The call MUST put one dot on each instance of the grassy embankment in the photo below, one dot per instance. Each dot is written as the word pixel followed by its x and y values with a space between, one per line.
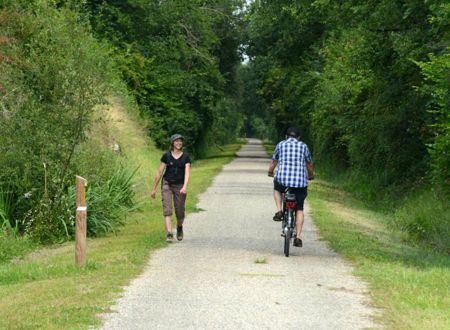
pixel 44 289
pixel 410 284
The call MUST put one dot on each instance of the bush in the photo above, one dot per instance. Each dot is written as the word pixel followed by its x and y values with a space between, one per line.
pixel 6 209
pixel 109 202
pixel 52 220
pixel 95 161
pixel 436 73
pixel 53 74
pixel 12 246
pixel 425 217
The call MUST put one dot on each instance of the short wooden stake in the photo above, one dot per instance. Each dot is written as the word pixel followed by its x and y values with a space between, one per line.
pixel 81 222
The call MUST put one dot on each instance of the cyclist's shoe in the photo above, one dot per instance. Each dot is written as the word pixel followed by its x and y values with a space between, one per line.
pixel 169 238
pixel 278 216
pixel 298 242
pixel 180 233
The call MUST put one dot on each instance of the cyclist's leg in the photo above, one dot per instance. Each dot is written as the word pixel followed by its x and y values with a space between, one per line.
pixel 300 195
pixel 299 220
pixel 277 191
pixel 277 198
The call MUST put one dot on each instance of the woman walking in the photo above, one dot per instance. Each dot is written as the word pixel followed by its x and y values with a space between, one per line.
pixel 175 164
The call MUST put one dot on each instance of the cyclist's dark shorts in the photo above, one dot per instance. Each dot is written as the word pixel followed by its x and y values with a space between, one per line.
pixel 300 193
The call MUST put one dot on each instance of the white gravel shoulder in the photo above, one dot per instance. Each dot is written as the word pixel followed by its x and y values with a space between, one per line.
pixel 211 279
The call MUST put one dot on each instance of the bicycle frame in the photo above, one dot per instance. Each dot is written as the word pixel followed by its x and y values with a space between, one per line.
pixel 289 204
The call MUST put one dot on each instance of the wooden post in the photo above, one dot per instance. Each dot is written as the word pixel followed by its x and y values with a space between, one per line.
pixel 81 222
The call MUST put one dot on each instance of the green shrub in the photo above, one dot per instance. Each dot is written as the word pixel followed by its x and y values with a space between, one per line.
pixel 437 72
pixel 13 246
pixel 109 202
pixel 95 161
pixel 6 209
pixel 52 220
pixel 425 217
pixel 54 74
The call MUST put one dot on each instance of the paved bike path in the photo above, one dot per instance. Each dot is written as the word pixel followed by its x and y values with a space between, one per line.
pixel 212 280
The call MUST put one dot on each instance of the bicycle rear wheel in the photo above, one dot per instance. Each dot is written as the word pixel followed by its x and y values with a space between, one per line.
pixel 287 241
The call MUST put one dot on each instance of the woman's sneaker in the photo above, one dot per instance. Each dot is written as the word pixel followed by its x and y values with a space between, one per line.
pixel 180 233
pixel 169 238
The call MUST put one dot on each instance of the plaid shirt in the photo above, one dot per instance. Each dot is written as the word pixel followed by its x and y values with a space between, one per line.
pixel 292 156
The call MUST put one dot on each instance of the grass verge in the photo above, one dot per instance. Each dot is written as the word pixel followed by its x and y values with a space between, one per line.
pixel 410 284
pixel 44 290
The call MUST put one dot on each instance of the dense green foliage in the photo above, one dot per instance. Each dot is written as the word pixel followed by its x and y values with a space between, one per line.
pixel 60 59
pixel 366 81
pixel 12 246
pixel 179 59
pixel 53 74
pixel 437 85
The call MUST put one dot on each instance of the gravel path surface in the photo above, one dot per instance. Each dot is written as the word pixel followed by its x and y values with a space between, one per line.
pixel 212 280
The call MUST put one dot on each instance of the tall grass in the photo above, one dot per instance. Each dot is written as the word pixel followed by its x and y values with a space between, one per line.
pixel 425 217
pixel 408 282
pixel 109 203
pixel 13 246
pixel 6 208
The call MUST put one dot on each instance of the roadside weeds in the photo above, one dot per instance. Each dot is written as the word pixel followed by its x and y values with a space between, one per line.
pixel 408 283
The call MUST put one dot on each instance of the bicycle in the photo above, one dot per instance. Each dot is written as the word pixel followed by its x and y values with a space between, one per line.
pixel 288 224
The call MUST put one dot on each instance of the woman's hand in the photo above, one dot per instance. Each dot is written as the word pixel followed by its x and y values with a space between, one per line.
pixel 183 190
pixel 153 194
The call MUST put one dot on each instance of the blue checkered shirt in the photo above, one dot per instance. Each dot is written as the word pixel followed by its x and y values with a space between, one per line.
pixel 292 156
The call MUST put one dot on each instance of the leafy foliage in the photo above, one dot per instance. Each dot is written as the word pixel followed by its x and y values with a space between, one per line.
pixel 110 202
pixel 425 217
pixel 60 59
pixel 367 82
pixel 53 74
pixel 436 85
pixel 179 59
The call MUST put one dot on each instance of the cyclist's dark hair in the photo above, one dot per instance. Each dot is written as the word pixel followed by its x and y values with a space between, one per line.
pixel 293 131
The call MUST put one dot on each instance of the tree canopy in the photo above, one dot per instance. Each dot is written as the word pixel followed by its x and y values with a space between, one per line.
pixel 367 82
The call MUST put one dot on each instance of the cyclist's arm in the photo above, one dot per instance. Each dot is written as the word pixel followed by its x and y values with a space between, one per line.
pixel 273 164
pixel 274 160
pixel 310 169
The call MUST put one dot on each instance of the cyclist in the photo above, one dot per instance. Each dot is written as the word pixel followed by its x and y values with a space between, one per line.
pixel 294 169
pixel 175 164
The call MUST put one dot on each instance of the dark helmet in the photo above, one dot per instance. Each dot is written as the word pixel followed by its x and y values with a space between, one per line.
pixel 293 132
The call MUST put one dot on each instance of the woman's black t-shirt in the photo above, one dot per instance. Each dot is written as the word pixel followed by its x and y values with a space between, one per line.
pixel 175 168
